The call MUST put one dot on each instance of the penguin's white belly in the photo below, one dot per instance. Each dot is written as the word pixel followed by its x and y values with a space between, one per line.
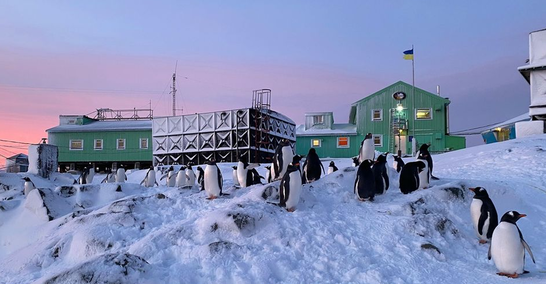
pixel 190 177
pixel 295 190
pixel 241 174
pixel 211 181
pixel 506 249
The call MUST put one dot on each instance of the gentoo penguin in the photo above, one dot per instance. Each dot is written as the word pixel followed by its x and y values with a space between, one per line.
pixel 332 167
pixel 365 182
pixel 234 176
pixel 282 157
pixel 201 178
pixel 150 179
pixel 212 180
pixel 424 175
pixel 356 162
pixel 181 177
pixel 291 185
pixel 483 213
pixel 83 177
pixel 120 175
pixel 508 246
pixel 190 176
pixel 171 177
pixel 312 166
pixel 424 153
pixel 380 174
pixel 90 175
pixel 367 149
pixel 29 185
pixel 268 174
pixel 243 172
pixel 409 176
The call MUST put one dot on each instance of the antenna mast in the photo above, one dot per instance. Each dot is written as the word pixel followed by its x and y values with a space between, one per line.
pixel 174 89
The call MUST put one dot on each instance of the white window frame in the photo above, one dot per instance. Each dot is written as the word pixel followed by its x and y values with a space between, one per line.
pixel 101 144
pixel 75 149
pixel 318 119
pixel 423 108
pixel 380 114
pixel 348 142
pixel 319 143
pixel 124 144
pixel 147 143
pixel 380 140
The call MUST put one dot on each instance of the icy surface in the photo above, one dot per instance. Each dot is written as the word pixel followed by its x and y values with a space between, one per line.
pixel 126 233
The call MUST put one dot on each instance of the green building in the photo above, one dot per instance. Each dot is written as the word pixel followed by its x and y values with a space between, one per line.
pixel 394 115
pixel 84 141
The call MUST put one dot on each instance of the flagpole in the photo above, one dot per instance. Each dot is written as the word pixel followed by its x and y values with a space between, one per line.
pixel 413 96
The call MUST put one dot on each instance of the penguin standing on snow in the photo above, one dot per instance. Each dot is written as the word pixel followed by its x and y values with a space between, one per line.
pixel 367 149
pixel 312 166
pixel 282 157
pixel 29 185
pixel 381 177
pixel 508 246
pixel 291 185
pixel 171 177
pixel 181 177
pixel 409 176
pixel 120 175
pixel 483 213
pixel 268 174
pixel 200 178
pixel 332 167
pixel 149 180
pixel 234 176
pixel 190 176
pixel 424 175
pixel 365 182
pixel 212 180
pixel 425 154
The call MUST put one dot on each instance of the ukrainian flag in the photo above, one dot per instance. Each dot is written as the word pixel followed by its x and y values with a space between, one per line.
pixel 408 54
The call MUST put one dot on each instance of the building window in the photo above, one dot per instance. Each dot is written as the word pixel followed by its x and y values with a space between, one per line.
pixel 98 144
pixel 377 114
pixel 315 143
pixel 318 119
pixel 143 143
pixel 378 140
pixel 343 142
pixel 423 113
pixel 121 144
pixel 76 144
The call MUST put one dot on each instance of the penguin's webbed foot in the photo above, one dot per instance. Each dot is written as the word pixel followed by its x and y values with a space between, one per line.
pixel 483 242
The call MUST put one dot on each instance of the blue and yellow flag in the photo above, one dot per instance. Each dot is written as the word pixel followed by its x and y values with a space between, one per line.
pixel 408 54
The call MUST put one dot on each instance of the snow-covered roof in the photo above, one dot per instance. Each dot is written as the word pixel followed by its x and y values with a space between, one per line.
pixel 522 117
pixel 127 125
pixel 337 129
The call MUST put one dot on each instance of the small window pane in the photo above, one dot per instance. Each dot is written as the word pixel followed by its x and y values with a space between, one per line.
pixel 98 144
pixel 121 144
pixel 343 142
pixel 143 143
pixel 423 113
pixel 76 144
pixel 315 143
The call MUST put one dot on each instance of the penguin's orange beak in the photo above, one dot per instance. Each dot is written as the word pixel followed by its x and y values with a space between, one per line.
pixel 473 189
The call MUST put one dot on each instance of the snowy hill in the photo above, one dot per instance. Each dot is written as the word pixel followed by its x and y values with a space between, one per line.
pixel 102 233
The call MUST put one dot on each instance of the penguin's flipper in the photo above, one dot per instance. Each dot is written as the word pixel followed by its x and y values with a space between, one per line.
pixel 526 246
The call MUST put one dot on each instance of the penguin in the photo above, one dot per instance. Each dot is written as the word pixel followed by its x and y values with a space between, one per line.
pixel 356 162
pixel 243 172
pixel 398 163
pixel 367 149
pixel 424 153
pixel 181 177
pixel 508 246
pixel 364 187
pixel 291 185
pixel 201 178
pixel 90 175
pixel 29 185
pixel 171 177
pixel 150 179
pixel 190 175
pixel 380 174
pixel 212 180
pixel 332 167
pixel 483 213
pixel 120 175
pixel 409 176
pixel 268 174
pixel 83 177
pixel 234 176
pixel 424 175
pixel 312 166
pixel 282 157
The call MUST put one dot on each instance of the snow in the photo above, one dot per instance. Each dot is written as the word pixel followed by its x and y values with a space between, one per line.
pixel 126 233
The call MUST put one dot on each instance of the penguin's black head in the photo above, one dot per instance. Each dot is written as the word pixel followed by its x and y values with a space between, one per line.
pixel 296 160
pixel 312 151
pixel 512 217
pixel 479 192
pixel 332 163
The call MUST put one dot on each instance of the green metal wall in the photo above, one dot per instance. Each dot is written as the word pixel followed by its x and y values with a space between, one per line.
pixel 109 153
pixel 328 148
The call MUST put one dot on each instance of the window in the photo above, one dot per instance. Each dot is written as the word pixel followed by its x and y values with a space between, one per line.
pixel 377 114
pixel 316 143
pixel 343 142
pixel 98 144
pixel 143 143
pixel 378 140
pixel 76 144
pixel 121 144
pixel 423 113
pixel 318 119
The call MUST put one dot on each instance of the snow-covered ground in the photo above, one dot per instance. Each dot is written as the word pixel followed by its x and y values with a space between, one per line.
pixel 102 233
